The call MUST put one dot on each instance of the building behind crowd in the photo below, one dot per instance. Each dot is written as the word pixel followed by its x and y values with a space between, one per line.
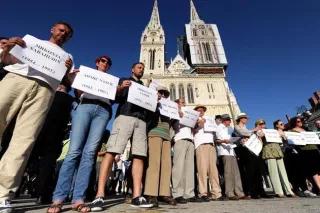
pixel 198 71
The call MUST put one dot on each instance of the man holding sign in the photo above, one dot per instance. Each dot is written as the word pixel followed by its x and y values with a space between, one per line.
pixel 130 123
pixel 157 184
pixel 28 93
pixel 206 158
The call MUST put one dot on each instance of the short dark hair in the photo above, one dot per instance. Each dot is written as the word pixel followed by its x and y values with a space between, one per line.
pixel 135 64
pixel 218 117
pixel 4 38
pixel 106 57
pixel 67 25
pixel 275 123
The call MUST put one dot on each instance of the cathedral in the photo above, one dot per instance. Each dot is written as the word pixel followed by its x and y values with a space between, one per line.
pixel 198 71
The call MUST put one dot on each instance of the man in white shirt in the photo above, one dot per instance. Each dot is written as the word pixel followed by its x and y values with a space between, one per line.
pixel 183 161
pixel 233 184
pixel 27 93
pixel 206 159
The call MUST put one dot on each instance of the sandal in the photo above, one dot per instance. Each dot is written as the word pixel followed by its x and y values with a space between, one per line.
pixel 82 207
pixel 56 207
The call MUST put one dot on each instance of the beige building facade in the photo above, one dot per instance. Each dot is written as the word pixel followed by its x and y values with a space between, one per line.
pixel 198 72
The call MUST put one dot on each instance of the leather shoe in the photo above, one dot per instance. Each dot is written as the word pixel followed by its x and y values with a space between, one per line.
pixel 168 200
pixel 181 200
pixel 194 199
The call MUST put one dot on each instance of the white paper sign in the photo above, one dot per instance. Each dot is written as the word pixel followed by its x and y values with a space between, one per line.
pixel 254 144
pixel 96 83
pixel 295 138
pixel 190 117
pixel 42 56
pixel 143 96
pixel 210 124
pixel 272 136
pixel 169 108
pixel 310 137
pixel 154 84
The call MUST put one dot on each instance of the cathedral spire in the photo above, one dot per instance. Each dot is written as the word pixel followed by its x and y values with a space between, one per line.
pixel 154 23
pixel 194 17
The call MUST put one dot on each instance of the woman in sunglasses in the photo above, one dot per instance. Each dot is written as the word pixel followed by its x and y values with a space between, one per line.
pixel 309 158
pixel 273 156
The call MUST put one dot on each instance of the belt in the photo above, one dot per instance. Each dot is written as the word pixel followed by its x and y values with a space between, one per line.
pixel 97 102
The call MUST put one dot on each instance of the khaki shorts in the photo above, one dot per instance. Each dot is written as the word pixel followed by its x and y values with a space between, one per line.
pixel 125 128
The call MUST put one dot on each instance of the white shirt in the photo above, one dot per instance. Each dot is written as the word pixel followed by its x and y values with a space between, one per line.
pixel 184 132
pixel 26 70
pixel 202 137
pixel 224 133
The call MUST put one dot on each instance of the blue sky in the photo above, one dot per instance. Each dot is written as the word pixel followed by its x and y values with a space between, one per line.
pixel 272 46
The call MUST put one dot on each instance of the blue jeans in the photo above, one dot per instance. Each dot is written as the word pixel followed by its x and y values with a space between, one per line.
pixel 88 125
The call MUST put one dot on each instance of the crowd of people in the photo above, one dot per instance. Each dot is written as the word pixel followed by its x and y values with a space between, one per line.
pixel 149 157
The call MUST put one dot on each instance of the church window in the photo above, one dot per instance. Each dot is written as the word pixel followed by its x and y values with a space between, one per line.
pixel 190 94
pixel 181 91
pixel 152 59
pixel 172 92
pixel 209 51
pixel 194 32
pixel 208 87
pixel 144 38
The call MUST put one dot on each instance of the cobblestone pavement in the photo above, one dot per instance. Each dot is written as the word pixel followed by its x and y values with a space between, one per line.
pixel 276 205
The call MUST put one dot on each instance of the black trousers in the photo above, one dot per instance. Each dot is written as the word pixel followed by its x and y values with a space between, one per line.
pixel 295 169
pixel 251 169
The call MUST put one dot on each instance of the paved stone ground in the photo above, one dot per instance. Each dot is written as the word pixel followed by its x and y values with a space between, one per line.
pixel 276 205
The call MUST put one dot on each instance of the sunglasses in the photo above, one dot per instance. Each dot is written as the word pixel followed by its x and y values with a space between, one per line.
pixel 281 124
pixel 298 121
pixel 105 61
pixel 261 123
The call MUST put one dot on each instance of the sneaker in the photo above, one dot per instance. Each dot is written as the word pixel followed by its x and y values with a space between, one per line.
pixel 97 204
pixel 140 202
pixel 5 207
pixel 307 193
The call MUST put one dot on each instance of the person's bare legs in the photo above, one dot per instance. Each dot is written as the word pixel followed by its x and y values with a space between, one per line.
pixel 137 172
pixel 105 167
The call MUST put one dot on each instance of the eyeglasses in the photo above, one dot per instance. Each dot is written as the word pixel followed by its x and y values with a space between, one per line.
pixel 105 61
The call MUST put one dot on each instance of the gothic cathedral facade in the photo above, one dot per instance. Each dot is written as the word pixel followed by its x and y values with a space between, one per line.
pixel 198 72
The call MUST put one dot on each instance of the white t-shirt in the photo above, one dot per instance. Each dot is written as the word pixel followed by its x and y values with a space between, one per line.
pixel 224 133
pixel 26 70
pixel 184 132
pixel 202 137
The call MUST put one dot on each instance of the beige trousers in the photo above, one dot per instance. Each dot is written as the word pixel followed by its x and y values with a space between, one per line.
pixel 31 99
pixel 207 167
pixel 278 176
pixel 183 169
pixel 233 184
pixel 159 169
